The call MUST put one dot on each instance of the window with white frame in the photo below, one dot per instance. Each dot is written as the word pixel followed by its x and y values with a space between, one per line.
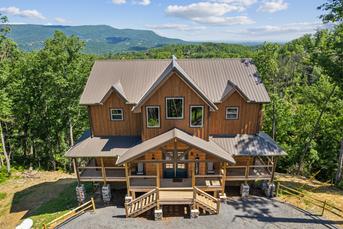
pixel 153 116
pixel 196 116
pixel 174 108
pixel 117 114
pixel 231 113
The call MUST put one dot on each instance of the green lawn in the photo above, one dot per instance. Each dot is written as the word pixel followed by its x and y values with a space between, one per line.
pixel 58 206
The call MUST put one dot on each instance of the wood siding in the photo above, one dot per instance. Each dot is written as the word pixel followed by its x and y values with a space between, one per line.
pixel 175 87
pixel 101 122
pixel 248 121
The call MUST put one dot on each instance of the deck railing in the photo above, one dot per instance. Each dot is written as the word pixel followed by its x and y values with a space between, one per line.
pixel 101 173
pixel 206 201
pixel 246 172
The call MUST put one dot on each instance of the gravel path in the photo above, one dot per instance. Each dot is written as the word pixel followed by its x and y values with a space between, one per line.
pixel 257 212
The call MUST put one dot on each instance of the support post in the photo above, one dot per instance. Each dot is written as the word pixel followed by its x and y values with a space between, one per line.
pixel 103 171
pixel 158 199
pixel 127 178
pixel 76 170
pixel 193 174
pixel 158 180
pixel 224 178
pixel 273 172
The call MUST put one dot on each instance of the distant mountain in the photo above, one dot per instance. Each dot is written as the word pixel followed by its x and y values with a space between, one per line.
pixel 100 39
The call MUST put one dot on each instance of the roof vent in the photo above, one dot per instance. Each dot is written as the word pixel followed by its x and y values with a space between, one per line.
pixel 247 62
pixel 257 78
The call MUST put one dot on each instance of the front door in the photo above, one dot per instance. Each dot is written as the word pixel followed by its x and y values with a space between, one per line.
pixel 174 168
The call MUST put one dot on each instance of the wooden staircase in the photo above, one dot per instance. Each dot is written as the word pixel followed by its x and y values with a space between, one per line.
pixel 205 201
pixel 142 204
pixel 152 199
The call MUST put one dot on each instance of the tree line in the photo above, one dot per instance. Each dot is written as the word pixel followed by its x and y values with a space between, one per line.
pixel 39 93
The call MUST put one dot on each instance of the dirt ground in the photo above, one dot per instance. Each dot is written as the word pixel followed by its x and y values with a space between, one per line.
pixel 26 191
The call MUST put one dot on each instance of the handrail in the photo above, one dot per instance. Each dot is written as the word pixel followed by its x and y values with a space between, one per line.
pixel 142 176
pixel 82 208
pixel 142 202
pixel 208 175
pixel 197 191
pixel 89 167
pixel 142 197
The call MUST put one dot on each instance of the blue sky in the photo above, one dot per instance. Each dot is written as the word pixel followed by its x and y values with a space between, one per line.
pixel 206 20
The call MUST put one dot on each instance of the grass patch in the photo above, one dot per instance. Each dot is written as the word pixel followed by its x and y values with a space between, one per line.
pixel 2 195
pixel 58 206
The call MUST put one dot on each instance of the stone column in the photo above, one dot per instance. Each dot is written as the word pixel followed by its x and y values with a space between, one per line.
pixel 194 213
pixel 106 193
pixel 158 214
pixel 245 191
pixel 80 193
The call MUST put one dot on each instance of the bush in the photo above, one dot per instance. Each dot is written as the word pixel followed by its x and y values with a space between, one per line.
pixel 340 184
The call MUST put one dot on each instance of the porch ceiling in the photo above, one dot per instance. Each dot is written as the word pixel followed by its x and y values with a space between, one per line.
pixel 112 146
pixel 153 143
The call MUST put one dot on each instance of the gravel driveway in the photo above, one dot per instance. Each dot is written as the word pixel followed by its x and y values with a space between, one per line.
pixel 256 212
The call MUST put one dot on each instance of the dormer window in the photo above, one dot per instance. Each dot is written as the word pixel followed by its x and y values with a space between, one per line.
pixel 174 107
pixel 117 114
pixel 231 113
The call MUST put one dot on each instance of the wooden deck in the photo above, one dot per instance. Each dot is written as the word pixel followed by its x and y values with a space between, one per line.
pixel 176 196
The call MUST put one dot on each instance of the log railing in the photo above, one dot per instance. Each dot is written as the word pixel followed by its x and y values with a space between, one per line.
pixel 205 201
pixel 73 213
pixel 246 172
pixel 142 204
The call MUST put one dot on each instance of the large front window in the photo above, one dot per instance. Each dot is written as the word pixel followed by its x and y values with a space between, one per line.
pixel 174 108
pixel 197 116
pixel 153 116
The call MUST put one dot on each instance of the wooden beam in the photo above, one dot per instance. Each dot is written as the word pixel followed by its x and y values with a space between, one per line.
pixel 224 177
pixel 273 172
pixel 158 181
pixel 193 174
pixel 127 178
pixel 103 171
pixel 76 170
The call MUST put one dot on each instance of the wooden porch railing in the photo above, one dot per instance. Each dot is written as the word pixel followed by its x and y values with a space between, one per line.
pixel 246 172
pixel 142 204
pixel 205 201
pixel 63 218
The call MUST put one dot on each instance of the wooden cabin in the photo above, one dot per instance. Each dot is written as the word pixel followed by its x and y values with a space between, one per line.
pixel 174 132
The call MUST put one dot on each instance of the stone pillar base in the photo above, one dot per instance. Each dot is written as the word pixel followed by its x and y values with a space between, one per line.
pixel 222 197
pixel 194 213
pixel 245 191
pixel 270 190
pixel 80 193
pixel 158 214
pixel 106 193
pixel 128 199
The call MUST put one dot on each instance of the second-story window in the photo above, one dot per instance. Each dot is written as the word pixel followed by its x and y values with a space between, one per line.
pixel 174 108
pixel 153 116
pixel 196 116
pixel 117 114
pixel 231 113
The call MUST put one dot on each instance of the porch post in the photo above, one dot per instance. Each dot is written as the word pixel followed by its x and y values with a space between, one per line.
pixel 103 171
pixel 76 170
pixel 273 172
pixel 127 178
pixel 224 178
pixel 158 181
pixel 193 174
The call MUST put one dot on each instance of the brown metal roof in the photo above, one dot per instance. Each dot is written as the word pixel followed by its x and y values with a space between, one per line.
pixel 148 145
pixel 136 77
pixel 112 146
pixel 248 145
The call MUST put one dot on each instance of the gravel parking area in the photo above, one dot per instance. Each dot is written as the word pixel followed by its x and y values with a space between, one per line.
pixel 256 212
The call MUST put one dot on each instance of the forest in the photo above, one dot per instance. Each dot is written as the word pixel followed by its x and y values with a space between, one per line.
pixel 40 116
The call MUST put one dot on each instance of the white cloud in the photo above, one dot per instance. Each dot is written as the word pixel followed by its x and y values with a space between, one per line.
pixel 61 20
pixel 118 2
pixel 298 28
pixel 181 27
pixel 143 2
pixel 212 12
pixel 272 6
pixel 12 10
